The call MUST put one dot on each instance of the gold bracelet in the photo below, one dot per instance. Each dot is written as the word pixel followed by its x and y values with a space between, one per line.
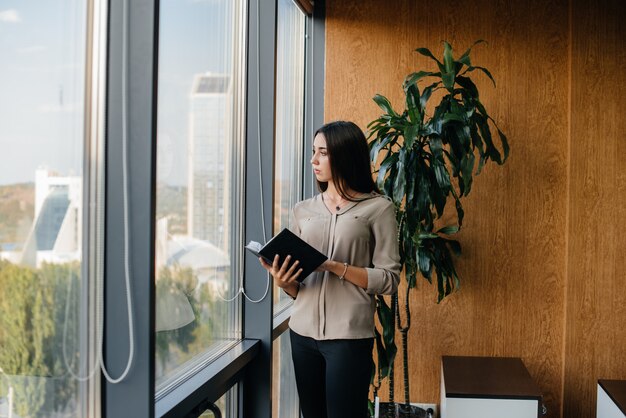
pixel 343 275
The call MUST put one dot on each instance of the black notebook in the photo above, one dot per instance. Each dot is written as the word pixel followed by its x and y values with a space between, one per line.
pixel 287 243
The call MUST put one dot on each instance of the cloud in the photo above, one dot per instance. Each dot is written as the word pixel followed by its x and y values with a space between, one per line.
pixel 10 16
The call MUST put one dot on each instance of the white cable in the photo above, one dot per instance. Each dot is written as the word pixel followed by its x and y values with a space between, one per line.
pixel 99 361
pixel 129 303
pixel 267 288
pixel 258 98
pixel 258 119
pixel 229 299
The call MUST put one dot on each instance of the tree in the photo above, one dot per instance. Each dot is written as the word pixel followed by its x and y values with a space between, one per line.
pixel 32 321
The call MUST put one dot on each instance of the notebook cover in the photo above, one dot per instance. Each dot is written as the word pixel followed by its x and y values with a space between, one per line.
pixel 287 243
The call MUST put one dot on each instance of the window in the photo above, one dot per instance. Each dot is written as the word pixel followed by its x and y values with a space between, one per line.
pixel 285 403
pixel 199 192
pixel 288 180
pixel 289 118
pixel 227 405
pixel 47 342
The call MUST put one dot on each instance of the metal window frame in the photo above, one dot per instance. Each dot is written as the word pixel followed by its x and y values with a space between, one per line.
pixel 249 363
pixel 135 395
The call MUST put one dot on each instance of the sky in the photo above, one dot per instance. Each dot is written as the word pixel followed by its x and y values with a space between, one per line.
pixel 40 87
pixel 42 56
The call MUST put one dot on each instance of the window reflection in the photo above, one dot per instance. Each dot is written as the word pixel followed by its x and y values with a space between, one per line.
pixel 199 166
pixel 289 161
pixel 43 325
pixel 285 396
pixel 289 118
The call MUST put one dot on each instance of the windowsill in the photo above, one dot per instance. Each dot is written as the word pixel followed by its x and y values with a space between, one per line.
pixel 210 382
pixel 281 321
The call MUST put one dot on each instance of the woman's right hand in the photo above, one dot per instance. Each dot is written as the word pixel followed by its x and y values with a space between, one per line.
pixel 284 276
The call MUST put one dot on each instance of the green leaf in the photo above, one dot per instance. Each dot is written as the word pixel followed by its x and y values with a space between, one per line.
pixel 505 144
pixel 485 132
pixel 426 52
pixel 438 196
pixel 413 104
pixel 465 59
pixel 413 78
pixel 411 178
pixel 460 213
pixel 477 142
pixel 384 104
pixel 468 85
pixel 467 166
pixel 440 290
pixel 399 185
pixel 424 263
pixel 448 80
pixel 484 70
pixel 436 146
pixel 379 144
pixel 410 135
pixel 385 317
pixel 422 198
pixel 453 117
pixel 388 163
pixel 448 60
pixel 381 354
pixel 449 72
pixel 388 184
pixel 442 175
pixel 385 344
pixel 427 92
pixel 463 134
pixel 448 230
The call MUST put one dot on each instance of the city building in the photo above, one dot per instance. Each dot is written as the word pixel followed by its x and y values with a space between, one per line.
pixel 55 236
pixel 209 159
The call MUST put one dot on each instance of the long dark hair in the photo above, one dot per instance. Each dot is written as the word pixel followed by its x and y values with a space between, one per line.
pixel 349 159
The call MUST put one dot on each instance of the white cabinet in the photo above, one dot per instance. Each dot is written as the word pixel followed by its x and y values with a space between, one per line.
pixel 611 402
pixel 487 387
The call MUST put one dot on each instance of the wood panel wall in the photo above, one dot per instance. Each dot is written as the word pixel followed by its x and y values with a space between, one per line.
pixel 533 253
pixel 596 279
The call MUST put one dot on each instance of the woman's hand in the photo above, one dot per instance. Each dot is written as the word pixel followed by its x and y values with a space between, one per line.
pixel 284 276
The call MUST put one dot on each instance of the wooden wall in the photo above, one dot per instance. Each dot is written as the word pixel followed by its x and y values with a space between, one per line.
pixel 596 271
pixel 541 267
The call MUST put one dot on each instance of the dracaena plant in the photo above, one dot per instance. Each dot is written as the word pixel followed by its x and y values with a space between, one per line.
pixel 423 162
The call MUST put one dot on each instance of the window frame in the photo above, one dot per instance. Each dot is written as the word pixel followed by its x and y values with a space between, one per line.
pixel 249 363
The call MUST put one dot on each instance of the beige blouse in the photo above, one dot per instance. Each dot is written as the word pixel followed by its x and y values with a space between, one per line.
pixel 362 234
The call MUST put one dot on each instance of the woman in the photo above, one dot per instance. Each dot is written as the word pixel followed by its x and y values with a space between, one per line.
pixel 332 321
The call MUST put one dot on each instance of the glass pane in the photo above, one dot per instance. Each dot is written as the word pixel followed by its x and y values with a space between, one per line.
pixel 285 397
pixel 227 405
pixel 199 171
pixel 289 118
pixel 43 285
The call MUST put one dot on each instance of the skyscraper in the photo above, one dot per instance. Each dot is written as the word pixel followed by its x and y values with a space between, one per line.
pixel 209 159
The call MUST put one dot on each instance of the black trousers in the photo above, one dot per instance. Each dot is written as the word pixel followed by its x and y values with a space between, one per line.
pixel 332 376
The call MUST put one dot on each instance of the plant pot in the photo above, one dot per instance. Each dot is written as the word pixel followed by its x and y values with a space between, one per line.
pixel 400 410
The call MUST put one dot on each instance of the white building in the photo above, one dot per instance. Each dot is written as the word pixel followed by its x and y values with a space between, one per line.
pixel 55 236
pixel 209 159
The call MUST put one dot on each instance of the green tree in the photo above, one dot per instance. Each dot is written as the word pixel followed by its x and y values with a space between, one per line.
pixel 209 321
pixel 183 280
pixel 32 321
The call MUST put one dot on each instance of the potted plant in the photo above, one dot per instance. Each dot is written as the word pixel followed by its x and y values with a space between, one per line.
pixel 426 156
